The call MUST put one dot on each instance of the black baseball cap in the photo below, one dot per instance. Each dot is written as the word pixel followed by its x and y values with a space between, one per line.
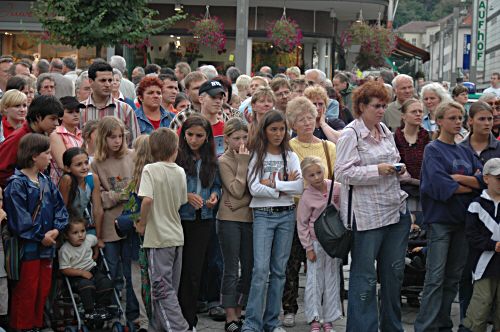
pixel 71 103
pixel 213 88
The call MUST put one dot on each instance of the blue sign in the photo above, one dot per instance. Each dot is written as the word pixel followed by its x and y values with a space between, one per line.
pixel 466 60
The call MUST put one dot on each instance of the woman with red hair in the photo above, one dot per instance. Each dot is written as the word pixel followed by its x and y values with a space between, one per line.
pixel 367 166
pixel 151 115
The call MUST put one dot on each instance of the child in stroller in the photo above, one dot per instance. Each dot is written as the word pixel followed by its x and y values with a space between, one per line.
pixel 76 261
pixel 414 274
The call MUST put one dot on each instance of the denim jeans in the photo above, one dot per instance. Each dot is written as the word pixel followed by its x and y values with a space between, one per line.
pixel 386 245
pixel 272 241
pixel 116 252
pixel 446 255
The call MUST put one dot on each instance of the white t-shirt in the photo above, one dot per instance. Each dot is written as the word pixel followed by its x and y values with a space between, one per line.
pixel 79 258
pixel 264 196
pixel 166 184
pixel 492 90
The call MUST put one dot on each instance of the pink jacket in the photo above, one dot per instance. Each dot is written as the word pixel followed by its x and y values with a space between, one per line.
pixel 311 205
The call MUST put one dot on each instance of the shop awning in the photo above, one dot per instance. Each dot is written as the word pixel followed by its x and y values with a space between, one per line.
pixel 407 50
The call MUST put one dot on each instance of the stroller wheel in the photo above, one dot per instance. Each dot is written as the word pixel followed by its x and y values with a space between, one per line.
pixel 117 327
pixel 70 329
pixel 130 327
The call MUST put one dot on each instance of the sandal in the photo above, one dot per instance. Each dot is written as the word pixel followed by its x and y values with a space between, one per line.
pixel 315 326
pixel 328 327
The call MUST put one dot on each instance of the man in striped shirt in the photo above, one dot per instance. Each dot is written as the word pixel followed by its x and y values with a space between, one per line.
pixel 100 102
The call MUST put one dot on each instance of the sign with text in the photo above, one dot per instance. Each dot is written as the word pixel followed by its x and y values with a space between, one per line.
pixel 481 34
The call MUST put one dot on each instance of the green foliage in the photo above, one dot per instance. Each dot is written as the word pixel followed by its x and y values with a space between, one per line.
pixel 99 23
pixel 425 10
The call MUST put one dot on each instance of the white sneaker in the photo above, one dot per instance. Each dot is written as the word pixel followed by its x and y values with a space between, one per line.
pixel 279 329
pixel 288 320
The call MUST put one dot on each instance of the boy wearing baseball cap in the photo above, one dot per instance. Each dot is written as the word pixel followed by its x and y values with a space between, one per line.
pixel 483 232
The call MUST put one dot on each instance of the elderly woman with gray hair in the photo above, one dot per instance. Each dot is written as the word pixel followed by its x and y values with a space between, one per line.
pixel 302 118
pixel 432 95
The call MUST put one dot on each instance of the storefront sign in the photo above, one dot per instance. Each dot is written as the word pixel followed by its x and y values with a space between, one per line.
pixel 481 34
pixel 16 11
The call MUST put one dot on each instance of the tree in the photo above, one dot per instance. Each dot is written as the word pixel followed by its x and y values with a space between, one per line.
pixel 409 10
pixel 99 23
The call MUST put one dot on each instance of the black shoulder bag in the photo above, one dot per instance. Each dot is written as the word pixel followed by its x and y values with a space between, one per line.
pixel 330 231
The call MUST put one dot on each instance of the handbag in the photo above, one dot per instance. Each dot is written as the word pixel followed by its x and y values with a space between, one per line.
pixel 13 245
pixel 335 238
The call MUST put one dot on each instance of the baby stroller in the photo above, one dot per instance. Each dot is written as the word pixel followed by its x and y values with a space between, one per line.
pixel 117 312
pixel 414 274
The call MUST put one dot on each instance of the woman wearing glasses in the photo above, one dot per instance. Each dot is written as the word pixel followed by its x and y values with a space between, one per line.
pixel 448 183
pixel 366 165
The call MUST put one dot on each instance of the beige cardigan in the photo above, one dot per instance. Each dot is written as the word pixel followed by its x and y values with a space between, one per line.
pixel 114 175
pixel 233 169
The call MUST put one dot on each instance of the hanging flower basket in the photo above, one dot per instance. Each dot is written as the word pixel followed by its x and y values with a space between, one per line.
pixel 209 31
pixel 376 43
pixel 284 33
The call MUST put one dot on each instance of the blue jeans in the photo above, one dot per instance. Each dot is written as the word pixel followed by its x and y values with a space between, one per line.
pixel 386 245
pixel 272 241
pixel 446 256
pixel 120 252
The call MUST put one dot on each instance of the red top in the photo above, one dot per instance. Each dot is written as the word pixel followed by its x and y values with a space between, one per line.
pixel 8 151
pixel 412 155
pixel 155 123
pixel 7 128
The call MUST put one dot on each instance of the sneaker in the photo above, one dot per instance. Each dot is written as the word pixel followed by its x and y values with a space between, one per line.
pixel 289 320
pixel 233 326
pixel 217 314
pixel 315 326
pixel 328 327
pixel 279 329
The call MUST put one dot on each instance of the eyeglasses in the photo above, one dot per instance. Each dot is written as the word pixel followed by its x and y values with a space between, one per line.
pixel 377 106
pixel 283 94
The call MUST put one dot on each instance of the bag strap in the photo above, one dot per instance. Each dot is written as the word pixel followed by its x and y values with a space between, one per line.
pixel 349 208
pixel 349 200
pixel 285 173
pixel 328 161
pixel 330 194
pixel 38 204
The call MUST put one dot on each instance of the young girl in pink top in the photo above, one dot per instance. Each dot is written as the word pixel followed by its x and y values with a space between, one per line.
pixel 322 298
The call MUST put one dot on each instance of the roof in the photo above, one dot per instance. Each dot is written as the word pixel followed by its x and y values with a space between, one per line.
pixel 407 50
pixel 415 26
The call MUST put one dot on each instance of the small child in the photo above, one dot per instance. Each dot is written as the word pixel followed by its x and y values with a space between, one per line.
pixel 321 298
pixel 160 223
pixel 76 262
pixel 483 232
pixel 36 216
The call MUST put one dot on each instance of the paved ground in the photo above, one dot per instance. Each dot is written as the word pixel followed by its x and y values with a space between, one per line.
pixel 205 324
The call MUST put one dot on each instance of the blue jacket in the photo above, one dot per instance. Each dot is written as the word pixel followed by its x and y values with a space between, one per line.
pixel 440 204
pixel 21 198
pixel 482 210
pixel 332 110
pixel 187 211
pixel 146 127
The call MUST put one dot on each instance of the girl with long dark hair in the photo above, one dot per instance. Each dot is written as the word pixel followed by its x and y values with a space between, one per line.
pixel 197 156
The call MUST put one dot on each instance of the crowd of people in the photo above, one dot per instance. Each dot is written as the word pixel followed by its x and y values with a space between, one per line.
pixel 202 190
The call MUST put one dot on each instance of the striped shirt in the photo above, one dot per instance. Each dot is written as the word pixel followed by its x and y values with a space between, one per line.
pixel 376 199
pixel 115 108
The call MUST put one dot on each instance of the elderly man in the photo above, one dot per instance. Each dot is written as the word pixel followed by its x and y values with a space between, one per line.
pixel 402 85
pixel 209 71
pixel 41 67
pixel 82 86
pixel 46 85
pixel 64 86
pixel 127 88
pixel 266 70
pixel 137 75
pixel 5 64
pixel 342 85
pixel 69 68
pixel 19 68
pixel 316 76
